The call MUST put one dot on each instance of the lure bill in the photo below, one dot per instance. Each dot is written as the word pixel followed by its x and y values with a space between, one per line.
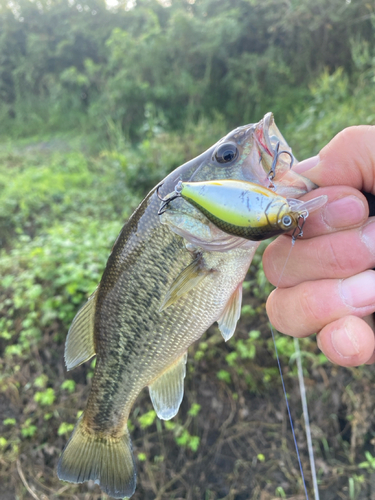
pixel 242 208
pixel 168 278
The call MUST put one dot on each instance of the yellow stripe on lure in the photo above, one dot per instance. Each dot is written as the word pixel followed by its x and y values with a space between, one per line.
pixel 243 208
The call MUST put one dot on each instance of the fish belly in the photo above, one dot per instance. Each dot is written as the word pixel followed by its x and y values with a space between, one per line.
pixel 138 342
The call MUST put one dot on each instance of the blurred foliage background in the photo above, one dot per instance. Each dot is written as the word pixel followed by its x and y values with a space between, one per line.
pixel 98 103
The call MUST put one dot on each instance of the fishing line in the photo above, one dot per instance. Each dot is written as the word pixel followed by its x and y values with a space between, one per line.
pixel 301 382
pixel 300 373
pixel 305 411
pixel 289 414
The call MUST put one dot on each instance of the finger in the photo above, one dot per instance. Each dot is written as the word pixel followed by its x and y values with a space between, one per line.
pixel 348 341
pixel 336 255
pixel 346 207
pixel 349 159
pixel 306 308
pixel 370 320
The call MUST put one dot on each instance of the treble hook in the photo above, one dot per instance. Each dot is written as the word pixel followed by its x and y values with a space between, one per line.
pixel 303 216
pixel 170 197
pixel 276 154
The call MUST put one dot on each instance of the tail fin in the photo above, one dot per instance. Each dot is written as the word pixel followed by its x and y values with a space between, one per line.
pixel 107 461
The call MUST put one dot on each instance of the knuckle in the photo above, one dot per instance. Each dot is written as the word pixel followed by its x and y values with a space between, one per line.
pixel 270 264
pixel 357 162
pixel 310 313
pixel 340 256
pixel 334 260
pixel 340 141
pixel 276 312
pixel 348 134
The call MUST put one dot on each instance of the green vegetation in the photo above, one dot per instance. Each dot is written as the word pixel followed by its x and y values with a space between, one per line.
pixel 147 419
pixel 72 65
pixel 97 105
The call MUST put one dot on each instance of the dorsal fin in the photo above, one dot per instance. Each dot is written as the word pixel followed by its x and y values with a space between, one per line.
pixel 189 278
pixel 231 314
pixel 167 391
pixel 79 346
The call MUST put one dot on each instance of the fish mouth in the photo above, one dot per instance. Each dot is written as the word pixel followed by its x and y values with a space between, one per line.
pixel 286 181
pixel 268 136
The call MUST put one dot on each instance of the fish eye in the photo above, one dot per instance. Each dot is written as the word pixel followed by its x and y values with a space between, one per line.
pixel 287 220
pixel 226 153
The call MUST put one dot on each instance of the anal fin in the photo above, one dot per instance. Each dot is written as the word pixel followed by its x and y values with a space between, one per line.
pixel 79 346
pixel 231 314
pixel 167 391
pixel 188 279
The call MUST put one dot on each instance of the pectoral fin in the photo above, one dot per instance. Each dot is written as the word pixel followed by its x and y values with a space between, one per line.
pixel 79 346
pixel 167 391
pixel 189 278
pixel 231 314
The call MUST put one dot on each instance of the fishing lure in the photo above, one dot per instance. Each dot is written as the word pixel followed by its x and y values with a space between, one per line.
pixel 243 208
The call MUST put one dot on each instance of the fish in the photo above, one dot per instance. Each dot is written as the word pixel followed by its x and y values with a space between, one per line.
pixel 243 208
pixel 168 278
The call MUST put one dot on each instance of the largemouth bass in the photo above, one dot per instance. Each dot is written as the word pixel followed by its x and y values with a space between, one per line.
pixel 167 279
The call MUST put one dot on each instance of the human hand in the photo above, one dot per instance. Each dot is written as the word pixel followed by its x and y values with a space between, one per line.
pixel 328 285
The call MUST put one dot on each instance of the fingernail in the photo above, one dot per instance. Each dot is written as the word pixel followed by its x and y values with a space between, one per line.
pixel 368 236
pixel 359 291
pixel 344 343
pixel 344 212
pixel 305 165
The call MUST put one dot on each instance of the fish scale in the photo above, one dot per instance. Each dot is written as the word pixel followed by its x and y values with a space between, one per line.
pixel 167 280
pixel 174 337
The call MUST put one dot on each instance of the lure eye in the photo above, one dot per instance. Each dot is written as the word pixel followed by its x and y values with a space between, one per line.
pixel 287 220
pixel 226 153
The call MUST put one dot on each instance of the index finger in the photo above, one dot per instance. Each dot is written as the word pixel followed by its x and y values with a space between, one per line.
pixel 348 159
